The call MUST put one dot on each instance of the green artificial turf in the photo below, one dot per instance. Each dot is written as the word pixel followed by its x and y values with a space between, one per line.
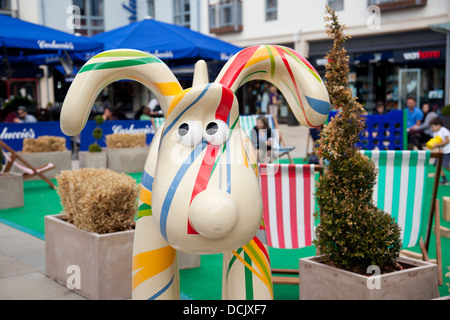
pixel 203 283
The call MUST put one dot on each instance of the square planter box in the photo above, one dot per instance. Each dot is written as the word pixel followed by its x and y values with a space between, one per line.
pixel 446 208
pixel 61 159
pixel 127 160
pixel 319 281
pixel 88 159
pixel 11 190
pixel 104 260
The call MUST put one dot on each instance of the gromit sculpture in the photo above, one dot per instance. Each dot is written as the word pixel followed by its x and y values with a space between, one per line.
pixel 200 192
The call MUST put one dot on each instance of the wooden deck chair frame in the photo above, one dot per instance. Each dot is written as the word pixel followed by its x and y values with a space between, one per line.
pixel 434 214
pixel 281 276
pixel 26 173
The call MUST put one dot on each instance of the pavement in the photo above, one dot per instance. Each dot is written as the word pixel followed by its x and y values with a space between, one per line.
pixel 22 256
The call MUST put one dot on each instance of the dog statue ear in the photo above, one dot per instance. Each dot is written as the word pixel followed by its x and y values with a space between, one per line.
pixel 110 66
pixel 293 75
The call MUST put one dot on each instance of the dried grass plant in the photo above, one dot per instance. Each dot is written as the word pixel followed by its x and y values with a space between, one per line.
pixel 44 144
pixel 98 200
pixel 126 140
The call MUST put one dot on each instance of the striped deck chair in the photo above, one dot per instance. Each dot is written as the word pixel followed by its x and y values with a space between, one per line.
pixel 14 159
pixel 158 121
pixel 400 191
pixel 288 209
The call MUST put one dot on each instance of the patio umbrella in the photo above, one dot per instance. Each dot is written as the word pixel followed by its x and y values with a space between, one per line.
pixel 166 41
pixel 19 37
pixel 23 42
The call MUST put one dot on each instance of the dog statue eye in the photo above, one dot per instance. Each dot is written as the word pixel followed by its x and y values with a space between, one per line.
pixel 190 133
pixel 216 132
pixel 183 129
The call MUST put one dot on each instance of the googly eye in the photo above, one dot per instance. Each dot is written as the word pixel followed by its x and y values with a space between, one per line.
pixel 189 133
pixel 216 132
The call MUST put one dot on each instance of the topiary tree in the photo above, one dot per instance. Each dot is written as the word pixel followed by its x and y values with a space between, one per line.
pixel 353 233
pixel 97 133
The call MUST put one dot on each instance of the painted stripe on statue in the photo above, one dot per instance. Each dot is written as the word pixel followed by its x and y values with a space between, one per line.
pixel 164 289
pixel 150 263
pixel 175 183
pixel 118 64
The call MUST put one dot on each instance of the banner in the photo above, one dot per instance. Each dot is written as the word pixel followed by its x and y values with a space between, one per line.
pixel 115 126
pixel 13 134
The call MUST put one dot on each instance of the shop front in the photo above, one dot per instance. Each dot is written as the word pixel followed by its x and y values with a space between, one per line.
pixel 390 68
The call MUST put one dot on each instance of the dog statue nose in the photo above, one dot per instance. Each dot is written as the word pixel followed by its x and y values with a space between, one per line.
pixel 213 213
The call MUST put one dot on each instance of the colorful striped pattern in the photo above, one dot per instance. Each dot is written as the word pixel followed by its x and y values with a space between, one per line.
pixel 211 154
pixel 279 65
pixel 151 263
pixel 255 258
pixel 145 196
pixel 134 58
pixel 288 204
pixel 252 55
pixel 399 189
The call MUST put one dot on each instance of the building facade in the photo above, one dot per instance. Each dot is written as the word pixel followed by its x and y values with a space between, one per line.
pixel 395 50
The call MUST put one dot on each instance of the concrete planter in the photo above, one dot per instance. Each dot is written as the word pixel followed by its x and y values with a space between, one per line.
pixel 103 260
pixel 127 160
pixel 446 208
pixel 61 159
pixel 319 281
pixel 11 190
pixel 88 159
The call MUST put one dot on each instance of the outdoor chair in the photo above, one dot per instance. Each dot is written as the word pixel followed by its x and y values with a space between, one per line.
pixel 288 210
pixel 400 191
pixel 14 159
pixel 289 205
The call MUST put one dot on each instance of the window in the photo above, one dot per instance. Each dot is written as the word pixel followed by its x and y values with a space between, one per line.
pixel 387 5
pixel 91 16
pixel 151 8
pixel 225 16
pixel 271 10
pixel 337 5
pixel 182 13
pixel 5 7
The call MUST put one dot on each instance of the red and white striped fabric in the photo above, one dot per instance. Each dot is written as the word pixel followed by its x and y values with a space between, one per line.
pixel 288 201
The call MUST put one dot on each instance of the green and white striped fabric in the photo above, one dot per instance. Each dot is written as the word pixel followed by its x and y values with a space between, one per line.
pixel 399 190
